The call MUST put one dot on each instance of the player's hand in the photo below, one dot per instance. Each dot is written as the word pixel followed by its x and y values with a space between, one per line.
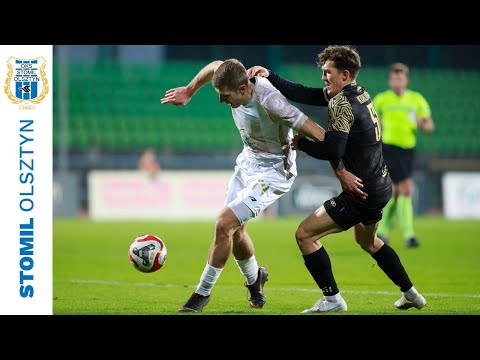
pixel 296 139
pixel 351 183
pixel 257 71
pixel 178 96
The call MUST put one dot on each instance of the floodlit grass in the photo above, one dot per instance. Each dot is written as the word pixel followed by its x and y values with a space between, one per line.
pixel 92 274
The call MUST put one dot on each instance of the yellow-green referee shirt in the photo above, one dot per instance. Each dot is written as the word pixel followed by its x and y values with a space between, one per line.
pixel 398 116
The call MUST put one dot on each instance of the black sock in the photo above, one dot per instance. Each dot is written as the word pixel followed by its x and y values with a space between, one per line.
pixel 391 265
pixel 318 263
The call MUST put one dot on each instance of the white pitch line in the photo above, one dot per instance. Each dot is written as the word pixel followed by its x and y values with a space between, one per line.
pixel 365 292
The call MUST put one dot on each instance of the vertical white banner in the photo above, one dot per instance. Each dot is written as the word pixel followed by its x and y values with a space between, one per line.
pixel 26 108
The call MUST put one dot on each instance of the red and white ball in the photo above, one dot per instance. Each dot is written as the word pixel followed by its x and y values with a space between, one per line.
pixel 147 253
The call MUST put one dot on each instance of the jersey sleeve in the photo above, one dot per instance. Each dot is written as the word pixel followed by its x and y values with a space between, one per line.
pixel 340 114
pixel 281 111
pixel 299 93
pixel 423 108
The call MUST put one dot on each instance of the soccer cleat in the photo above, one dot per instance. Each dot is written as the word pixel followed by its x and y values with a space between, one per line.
pixel 196 303
pixel 257 298
pixel 412 242
pixel 418 301
pixel 324 305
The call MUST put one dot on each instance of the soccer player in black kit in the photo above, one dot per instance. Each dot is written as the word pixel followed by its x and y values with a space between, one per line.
pixel 354 136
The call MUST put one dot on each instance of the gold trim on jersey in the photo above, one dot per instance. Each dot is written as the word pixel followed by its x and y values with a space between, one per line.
pixel 340 114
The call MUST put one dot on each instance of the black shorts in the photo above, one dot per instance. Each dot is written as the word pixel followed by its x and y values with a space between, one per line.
pixel 399 162
pixel 348 210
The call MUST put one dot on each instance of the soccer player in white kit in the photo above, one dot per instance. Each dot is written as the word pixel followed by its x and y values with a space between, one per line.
pixel 265 169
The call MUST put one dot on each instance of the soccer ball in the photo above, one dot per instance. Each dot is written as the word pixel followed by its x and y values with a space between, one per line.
pixel 147 253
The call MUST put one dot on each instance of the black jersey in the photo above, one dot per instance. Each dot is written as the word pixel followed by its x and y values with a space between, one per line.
pixel 350 112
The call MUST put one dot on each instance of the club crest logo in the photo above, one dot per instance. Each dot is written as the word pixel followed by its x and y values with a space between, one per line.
pixel 26 81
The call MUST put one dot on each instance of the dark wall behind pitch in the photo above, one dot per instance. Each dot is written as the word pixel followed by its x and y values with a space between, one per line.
pixel 419 56
pixel 416 56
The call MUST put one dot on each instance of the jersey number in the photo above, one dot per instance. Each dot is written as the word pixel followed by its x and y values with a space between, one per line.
pixel 374 116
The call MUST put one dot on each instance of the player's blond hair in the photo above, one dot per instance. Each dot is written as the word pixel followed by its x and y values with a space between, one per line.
pixel 230 75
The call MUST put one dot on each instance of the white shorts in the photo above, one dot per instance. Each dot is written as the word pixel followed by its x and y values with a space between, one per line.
pixel 253 188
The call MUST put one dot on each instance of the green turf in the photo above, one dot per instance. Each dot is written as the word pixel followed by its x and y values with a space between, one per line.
pixel 92 273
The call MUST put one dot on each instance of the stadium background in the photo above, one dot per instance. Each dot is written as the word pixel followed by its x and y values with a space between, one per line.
pixel 107 111
pixel 110 111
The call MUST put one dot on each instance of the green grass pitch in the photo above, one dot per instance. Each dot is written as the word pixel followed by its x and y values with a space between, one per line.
pixel 93 276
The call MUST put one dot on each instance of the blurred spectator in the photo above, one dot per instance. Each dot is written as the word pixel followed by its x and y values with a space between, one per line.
pixel 148 162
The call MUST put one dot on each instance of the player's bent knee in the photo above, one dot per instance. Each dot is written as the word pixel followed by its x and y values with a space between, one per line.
pixel 226 226
pixel 368 247
pixel 367 244
pixel 301 236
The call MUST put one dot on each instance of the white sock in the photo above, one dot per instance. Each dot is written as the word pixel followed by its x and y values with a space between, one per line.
pixel 334 298
pixel 208 279
pixel 410 293
pixel 249 269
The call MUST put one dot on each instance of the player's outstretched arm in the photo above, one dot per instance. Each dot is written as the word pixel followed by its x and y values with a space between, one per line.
pixel 180 96
pixel 311 129
pixel 292 91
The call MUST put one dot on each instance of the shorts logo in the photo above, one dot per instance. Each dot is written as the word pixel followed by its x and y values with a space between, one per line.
pixel 333 203
pixel 26 80
pixel 252 198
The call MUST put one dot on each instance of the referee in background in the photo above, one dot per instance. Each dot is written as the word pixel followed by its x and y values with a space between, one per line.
pixel 402 111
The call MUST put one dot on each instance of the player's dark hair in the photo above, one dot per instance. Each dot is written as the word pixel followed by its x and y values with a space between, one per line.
pixel 230 75
pixel 344 57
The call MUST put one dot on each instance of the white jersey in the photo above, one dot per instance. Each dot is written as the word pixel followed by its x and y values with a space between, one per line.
pixel 266 124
